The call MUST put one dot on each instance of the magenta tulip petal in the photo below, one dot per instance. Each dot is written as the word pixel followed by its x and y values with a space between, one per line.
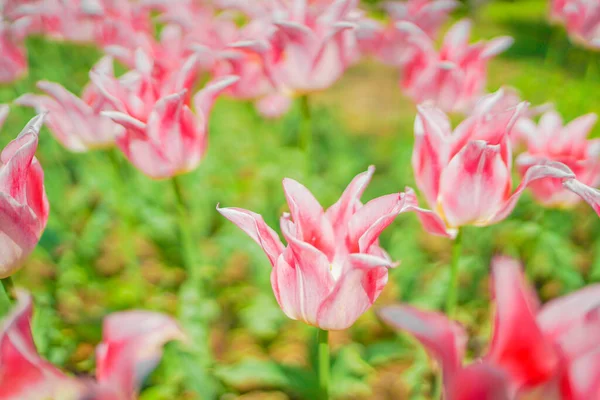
pixel 444 339
pixel 131 348
pixel 478 382
pixel 24 375
pixel 255 227
pixel 361 282
pixel 518 345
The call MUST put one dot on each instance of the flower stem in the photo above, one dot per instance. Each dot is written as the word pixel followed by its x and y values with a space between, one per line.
pixel 186 236
pixel 9 288
pixel 452 294
pixel 324 363
pixel 305 137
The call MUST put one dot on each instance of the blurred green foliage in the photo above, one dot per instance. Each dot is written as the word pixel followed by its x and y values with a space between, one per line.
pixel 80 272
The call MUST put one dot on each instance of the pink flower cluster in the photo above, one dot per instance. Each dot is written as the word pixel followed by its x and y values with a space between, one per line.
pixel 581 18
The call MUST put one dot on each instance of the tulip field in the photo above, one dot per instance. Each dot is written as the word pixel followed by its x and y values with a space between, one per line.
pixel 299 199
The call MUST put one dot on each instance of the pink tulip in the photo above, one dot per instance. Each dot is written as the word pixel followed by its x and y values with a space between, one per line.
pixel 131 347
pixel 581 19
pixel 446 342
pixel 23 204
pixel 550 351
pixel 550 140
pixel 171 140
pixel 453 78
pixel 332 269
pixel 76 122
pixel 13 63
pixel 465 175
pixel 390 44
pixel 4 110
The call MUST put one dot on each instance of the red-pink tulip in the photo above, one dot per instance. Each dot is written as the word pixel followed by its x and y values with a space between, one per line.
pixel 13 63
pixel 23 204
pixel 390 44
pixel 332 269
pixel 76 122
pixel 581 19
pixel 568 144
pixel 465 175
pixel 453 78
pixel 130 349
pixel 551 350
pixel 446 342
pixel 171 139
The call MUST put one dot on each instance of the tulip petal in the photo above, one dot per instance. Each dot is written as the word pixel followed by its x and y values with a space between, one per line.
pixel 444 339
pixel 4 110
pixel 518 344
pixel 205 98
pixel 131 348
pixel 478 382
pixel 360 284
pixel 432 222
pixel 584 376
pixel 274 105
pixel 589 194
pixel 254 226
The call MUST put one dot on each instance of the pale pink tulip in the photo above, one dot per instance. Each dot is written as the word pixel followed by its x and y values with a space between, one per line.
pixel 76 122
pixel 581 19
pixel 332 269
pixel 390 44
pixel 568 144
pixel 446 342
pixel 23 204
pixel 13 63
pixel 453 78
pixel 130 349
pixel 4 110
pixel 170 140
pixel 465 175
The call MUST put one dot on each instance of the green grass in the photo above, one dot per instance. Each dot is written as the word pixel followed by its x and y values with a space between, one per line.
pixel 78 273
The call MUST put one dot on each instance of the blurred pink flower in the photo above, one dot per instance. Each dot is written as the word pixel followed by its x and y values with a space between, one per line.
pixel 550 351
pixel 170 140
pixel 13 63
pixel 550 140
pixel 388 43
pixel 130 349
pixel 332 269
pixel 465 175
pixel 453 78
pixel 4 110
pixel 23 204
pixel 581 18
pixel 446 342
pixel 76 122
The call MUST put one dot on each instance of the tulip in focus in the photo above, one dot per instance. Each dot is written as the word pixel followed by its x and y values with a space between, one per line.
pixel 131 348
pixel 332 269
pixel 76 122
pixel 568 144
pixel 550 350
pixel 453 78
pixel 465 175
pixel 23 204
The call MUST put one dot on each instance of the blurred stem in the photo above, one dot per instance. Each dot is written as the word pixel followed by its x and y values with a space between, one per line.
pixel 590 71
pixel 9 288
pixel 324 363
pixel 305 137
pixel 452 294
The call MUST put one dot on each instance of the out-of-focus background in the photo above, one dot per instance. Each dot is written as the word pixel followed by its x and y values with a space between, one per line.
pixel 78 274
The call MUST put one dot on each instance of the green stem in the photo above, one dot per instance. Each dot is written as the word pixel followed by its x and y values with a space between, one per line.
pixel 324 363
pixel 187 243
pixel 452 294
pixel 9 288
pixel 305 138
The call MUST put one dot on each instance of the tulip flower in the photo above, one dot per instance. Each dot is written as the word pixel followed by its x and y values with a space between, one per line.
pixel 446 342
pixel 4 110
pixel 465 175
pixel 13 63
pixel 171 140
pixel 130 349
pixel 76 122
pixel 23 204
pixel 453 78
pixel 581 19
pixel 390 44
pixel 332 269
pixel 549 350
pixel 550 140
